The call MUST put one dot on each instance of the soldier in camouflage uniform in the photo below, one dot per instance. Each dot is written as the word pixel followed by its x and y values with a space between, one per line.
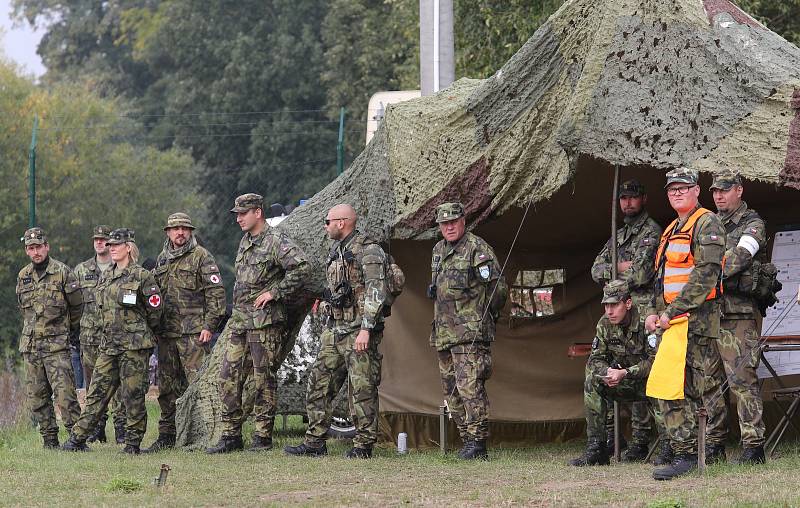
pixel 270 268
pixel 354 305
pixel 617 368
pixel 688 269
pixel 50 303
pixel 745 250
pixel 130 304
pixel 88 275
pixel 637 242
pixel 468 293
pixel 194 306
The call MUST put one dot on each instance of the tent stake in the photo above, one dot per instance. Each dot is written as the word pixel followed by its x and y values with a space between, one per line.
pixel 443 428
pixel 702 419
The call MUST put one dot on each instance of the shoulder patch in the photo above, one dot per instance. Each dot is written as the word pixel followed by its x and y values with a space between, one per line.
pixel 154 301
pixel 215 278
pixel 27 280
pixel 595 343
pixel 89 276
pixel 485 272
pixel 652 340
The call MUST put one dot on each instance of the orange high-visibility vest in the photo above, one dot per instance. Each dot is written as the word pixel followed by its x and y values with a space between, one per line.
pixel 675 250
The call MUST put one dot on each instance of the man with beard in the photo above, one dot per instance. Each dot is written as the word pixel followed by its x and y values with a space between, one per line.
pixel 194 306
pixel 637 241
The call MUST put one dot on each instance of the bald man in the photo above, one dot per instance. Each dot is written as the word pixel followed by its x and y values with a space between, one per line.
pixel 354 303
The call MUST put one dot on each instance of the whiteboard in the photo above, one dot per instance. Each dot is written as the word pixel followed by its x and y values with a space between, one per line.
pixel 784 317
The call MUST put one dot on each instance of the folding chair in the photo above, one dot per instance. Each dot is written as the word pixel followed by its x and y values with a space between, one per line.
pixel 791 393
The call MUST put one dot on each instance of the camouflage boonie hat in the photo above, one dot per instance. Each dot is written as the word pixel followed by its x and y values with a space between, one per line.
pixel 179 219
pixel 120 236
pixel 449 211
pixel 101 231
pixel 631 188
pixel 726 179
pixel 682 175
pixel 247 201
pixel 615 291
pixel 34 236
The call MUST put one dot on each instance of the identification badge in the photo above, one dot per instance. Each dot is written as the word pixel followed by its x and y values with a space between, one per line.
pixel 129 299
pixel 485 271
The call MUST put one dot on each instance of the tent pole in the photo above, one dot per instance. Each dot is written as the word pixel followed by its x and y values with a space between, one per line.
pixel 614 274
pixel 443 428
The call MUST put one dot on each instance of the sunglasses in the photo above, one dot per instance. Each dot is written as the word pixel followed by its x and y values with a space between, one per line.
pixel 328 221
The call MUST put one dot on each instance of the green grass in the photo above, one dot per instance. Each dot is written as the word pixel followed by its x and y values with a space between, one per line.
pixel 539 476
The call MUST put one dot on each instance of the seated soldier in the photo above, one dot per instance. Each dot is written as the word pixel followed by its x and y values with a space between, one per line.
pixel 617 367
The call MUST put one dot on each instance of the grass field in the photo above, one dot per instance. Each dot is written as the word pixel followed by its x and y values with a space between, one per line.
pixel 536 476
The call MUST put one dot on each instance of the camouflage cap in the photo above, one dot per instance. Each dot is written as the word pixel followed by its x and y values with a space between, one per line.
pixel 615 291
pixel 631 188
pixel 101 231
pixel 726 179
pixel 449 211
pixel 121 235
pixel 247 202
pixel 682 175
pixel 179 219
pixel 34 236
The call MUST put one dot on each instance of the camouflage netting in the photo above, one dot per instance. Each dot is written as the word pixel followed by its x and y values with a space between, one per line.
pixel 654 83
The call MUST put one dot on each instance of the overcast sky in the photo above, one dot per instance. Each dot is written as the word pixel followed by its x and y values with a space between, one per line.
pixel 19 43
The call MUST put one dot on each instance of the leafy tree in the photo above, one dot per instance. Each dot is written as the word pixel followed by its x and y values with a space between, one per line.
pixel 780 16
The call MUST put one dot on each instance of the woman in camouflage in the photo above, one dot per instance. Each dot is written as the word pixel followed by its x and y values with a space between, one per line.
pixel 130 305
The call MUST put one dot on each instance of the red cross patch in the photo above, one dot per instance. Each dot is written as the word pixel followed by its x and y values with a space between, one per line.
pixel 214 279
pixel 154 301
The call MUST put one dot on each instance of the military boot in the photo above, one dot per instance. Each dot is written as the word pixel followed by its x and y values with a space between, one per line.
pixel 715 454
pixel 474 449
pixel 665 455
pixel 753 455
pixel 132 449
pixel 596 455
pixel 75 445
pixel 623 443
pixel 163 442
pixel 636 452
pixel 119 434
pixel 681 465
pixel 51 442
pixel 99 434
pixel 304 449
pixel 260 443
pixel 227 444
pixel 357 452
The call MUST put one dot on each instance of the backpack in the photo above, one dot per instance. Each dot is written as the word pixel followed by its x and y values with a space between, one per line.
pixel 766 286
pixel 395 282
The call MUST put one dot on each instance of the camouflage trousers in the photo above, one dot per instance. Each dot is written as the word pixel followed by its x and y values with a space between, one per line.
pixel 338 362
pixel 89 353
pixel 464 369
pixel 49 375
pixel 250 352
pixel 179 359
pixel 700 382
pixel 597 398
pixel 740 354
pixel 126 374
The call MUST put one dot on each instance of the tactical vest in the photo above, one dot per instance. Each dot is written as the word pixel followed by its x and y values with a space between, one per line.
pixel 675 252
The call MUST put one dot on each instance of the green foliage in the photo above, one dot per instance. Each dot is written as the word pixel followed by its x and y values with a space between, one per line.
pixel 780 16
pixel 124 485
pixel 666 503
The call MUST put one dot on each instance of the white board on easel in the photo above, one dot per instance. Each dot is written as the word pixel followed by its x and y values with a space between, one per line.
pixel 783 319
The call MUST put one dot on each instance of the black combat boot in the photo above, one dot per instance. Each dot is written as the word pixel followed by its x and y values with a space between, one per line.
pixel 163 442
pixel 50 442
pixel 260 443
pixel 131 449
pixel 75 445
pixel 636 452
pixel 227 444
pixel 304 449
pixel 681 465
pixel 753 455
pixel 357 452
pixel 715 454
pixel 474 449
pixel 119 434
pixel 596 455
pixel 665 455
pixel 623 443
pixel 99 434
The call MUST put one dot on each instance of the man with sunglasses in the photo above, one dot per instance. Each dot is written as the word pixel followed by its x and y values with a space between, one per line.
pixel 688 269
pixel 270 268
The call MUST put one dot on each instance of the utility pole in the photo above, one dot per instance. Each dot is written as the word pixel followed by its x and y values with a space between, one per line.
pixel 437 66
pixel 340 144
pixel 32 175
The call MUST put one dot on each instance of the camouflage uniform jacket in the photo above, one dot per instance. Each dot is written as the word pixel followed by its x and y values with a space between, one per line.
pixel 51 307
pixel 362 263
pixel 637 242
pixel 708 247
pixel 131 305
pixel 465 274
pixel 88 275
pixel 737 271
pixel 194 297
pixel 623 345
pixel 268 262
